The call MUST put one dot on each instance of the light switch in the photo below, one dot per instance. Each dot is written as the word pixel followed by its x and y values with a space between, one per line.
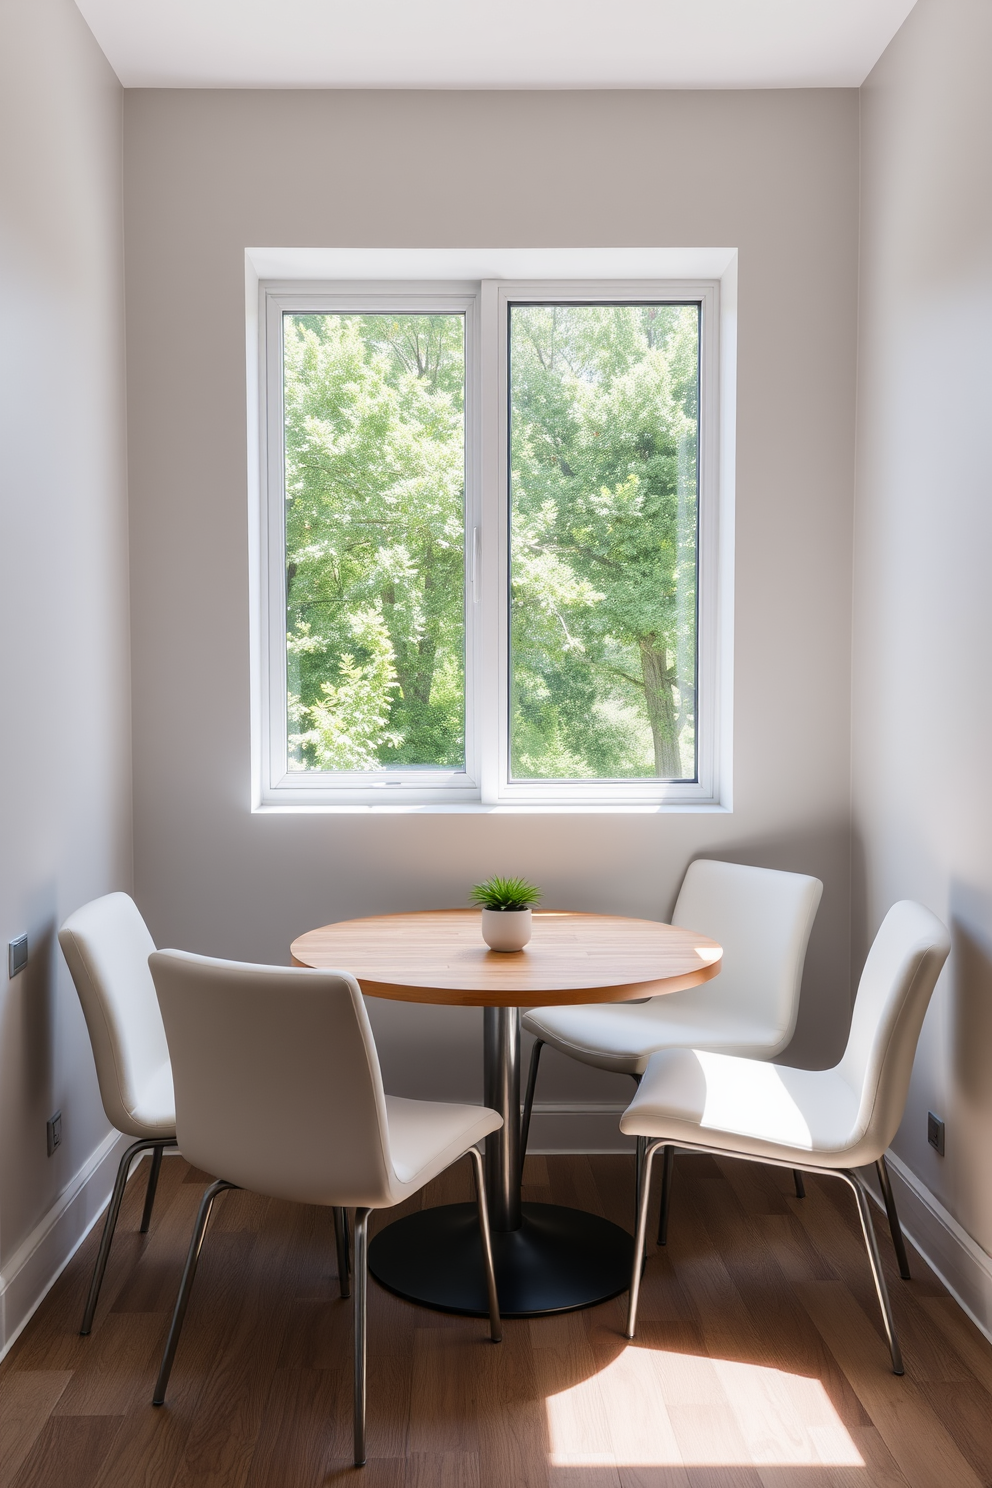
pixel 17 955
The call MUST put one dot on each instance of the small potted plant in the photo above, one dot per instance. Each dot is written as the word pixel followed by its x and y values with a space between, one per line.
pixel 506 911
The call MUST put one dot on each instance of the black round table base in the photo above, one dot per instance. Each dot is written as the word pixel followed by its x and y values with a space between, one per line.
pixel 558 1260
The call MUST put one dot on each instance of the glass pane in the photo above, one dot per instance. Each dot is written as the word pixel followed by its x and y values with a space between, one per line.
pixel 603 510
pixel 375 573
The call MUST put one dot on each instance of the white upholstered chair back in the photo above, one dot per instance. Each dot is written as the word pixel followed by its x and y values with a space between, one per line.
pixel 106 945
pixel 762 918
pixel 278 1087
pixel 898 979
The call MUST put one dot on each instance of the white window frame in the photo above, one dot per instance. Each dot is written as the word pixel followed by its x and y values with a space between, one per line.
pixel 316 787
pixel 485 784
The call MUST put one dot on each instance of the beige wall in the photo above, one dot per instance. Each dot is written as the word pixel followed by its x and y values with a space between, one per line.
pixel 923 597
pixel 64 724
pixel 209 173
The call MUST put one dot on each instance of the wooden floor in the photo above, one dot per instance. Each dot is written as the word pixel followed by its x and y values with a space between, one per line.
pixel 760 1361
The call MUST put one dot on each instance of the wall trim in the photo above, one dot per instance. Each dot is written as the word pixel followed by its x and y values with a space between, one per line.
pixel 39 1261
pixel 559 1127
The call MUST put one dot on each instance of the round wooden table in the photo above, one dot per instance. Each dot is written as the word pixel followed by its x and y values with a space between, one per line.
pixel 548 1258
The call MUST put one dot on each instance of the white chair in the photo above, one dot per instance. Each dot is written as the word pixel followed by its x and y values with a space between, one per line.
pixel 106 945
pixel 278 1090
pixel 762 918
pixel 820 1121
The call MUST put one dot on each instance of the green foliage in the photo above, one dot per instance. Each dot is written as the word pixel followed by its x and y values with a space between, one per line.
pixel 603 440
pixel 603 426
pixel 350 722
pixel 374 540
pixel 504 893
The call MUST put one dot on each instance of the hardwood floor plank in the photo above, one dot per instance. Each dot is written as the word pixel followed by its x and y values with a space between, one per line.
pixel 306 1429
pixel 149 1446
pixel 649 1475
pixel 794 1347
pixel 759 1361
pixel 575 1187
pixel 443 1396
pixel 662 1299
pixel 974 1351
pixel 729 1328
pixel 27 1399
pixel 638 1388
pixel 577 1396
pixel 965 1409
pixel 117 1366
pixel 70 1449
pixel 614 1180
pixel 913 1433
pixel 259 1266
pixel 536 1173
pixel 154 1278
pixel 511 1417
pixel 443 1470
pixel 708 1436
pixel 797 1257
pixel 583 1473
pixel 759 1190
pixel 929 1354
pixel 881 1469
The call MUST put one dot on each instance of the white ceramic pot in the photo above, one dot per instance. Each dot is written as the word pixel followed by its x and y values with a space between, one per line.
pixel 506 929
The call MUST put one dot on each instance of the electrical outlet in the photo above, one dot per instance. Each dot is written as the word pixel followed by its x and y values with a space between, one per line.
pixel 54 1132
pixel 17 955
pixel 935 1133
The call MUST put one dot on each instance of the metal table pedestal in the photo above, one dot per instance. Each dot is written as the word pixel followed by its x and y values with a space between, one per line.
pixel 547 1258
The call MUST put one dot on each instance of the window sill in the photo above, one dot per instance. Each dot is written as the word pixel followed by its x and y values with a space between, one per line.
pixel 505 808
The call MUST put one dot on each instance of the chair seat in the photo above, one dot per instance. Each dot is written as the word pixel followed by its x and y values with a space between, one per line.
pixel 622 1036
pixel 425 1137
pixel 795 1116
pixel 154 1111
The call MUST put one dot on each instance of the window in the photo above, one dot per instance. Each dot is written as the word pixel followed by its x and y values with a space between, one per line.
pixel 489 544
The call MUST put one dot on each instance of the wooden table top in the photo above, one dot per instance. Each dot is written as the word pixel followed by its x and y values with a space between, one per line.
pixel 439 955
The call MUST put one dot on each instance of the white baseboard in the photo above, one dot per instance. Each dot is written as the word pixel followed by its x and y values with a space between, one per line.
pixel 568 1126
pixel 36 1264
pixel 960 1262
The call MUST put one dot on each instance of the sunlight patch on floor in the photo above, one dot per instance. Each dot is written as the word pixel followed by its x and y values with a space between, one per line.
pixel 654 1408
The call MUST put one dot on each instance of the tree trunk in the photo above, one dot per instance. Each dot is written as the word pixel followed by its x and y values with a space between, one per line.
pixel 415 664
pixel 658 684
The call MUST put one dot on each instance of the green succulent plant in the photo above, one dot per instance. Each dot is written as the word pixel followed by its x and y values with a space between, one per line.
pixel 504 893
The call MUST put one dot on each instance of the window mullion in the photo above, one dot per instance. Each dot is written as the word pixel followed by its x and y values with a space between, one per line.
pixel 492 556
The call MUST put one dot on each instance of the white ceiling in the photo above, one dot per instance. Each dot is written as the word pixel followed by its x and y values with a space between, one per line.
pixel 493 43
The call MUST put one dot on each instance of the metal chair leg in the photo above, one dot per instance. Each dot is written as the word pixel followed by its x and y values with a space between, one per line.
pixel 667 1171
pixel 341 1239
pixel 495 1322
pixel 361 1314
pixel 640 1237
pixel 871 1243
pixel 109 1225
pixel 182 1301
pixel 639 1151
pixel 895 1227
pixel 800 1185
pixel 535 1059
pixel 153 1172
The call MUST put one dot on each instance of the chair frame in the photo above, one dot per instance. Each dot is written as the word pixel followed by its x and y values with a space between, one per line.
pixel 535 1059
pixel 849 1176
pixel 360 1304
pixel 156 1145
